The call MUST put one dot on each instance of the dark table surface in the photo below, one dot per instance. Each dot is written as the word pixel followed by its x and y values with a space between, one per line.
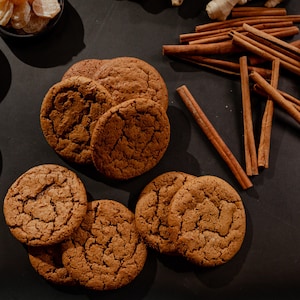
pixel 268 264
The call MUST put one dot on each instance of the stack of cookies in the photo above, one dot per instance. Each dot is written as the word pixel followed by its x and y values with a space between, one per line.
pixel 111 113
pixel 71 241
pixel 201 218
pixel 101 244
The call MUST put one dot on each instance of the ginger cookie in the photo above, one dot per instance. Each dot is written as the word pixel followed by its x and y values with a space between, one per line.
pixel 47 262
pixel 152 209
pixel 130 139
pixel 106 252
pixel 69 112
pixel 86 67
pixel 128 77
pixel 45 205
pixel 207 221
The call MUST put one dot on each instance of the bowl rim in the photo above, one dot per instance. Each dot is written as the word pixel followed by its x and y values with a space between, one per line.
pixel 5 32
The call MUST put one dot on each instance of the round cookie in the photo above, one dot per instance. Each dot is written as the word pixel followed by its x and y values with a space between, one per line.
pixel 45 205
pixel 86 67
pixel 207 221
pixel 106 252
pixel 69 112
pixel 47 262
pixel 128 77
pixel 152 209
pixel 130 139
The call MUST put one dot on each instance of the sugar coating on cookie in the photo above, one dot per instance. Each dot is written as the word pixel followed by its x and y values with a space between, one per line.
pixel 152 210
pixel 68 115
pixel 207 221
pixel 45 205
pixel 106 252
pixel 129 77
pixel 86 67
pixel 130 139
pixel 47 262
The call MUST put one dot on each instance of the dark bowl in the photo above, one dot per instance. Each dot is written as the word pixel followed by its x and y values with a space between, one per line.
pixel 11 33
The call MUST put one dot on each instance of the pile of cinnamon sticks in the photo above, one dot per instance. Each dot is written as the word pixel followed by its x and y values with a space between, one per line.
pixel 215 39
pixel 251 38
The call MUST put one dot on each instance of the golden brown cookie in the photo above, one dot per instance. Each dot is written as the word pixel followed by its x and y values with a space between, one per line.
pixel 47 262
pixel 86 67
pixel 129 77
pixel 152 209
pixel 130 139
pixel 106 252
pixel 45 205
pixel 207 221
pixel 69 112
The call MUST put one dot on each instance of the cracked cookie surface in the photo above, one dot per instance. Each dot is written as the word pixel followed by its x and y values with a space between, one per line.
pixel 106 252
pixel 47 262
pixel 45 205
pixel 69 112
pixel 207 221
pixel 130 139
pixel 129 77
pixel 152 209
pixel 86 67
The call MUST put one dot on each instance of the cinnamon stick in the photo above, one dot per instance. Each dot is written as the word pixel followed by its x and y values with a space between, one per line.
pixel 249 141
pixel 266 126
pixel 205 49
pixel 214 137
pixel 187 37
pixel 255 60
pixel 251 21
pixel 239 12
pixel 265 52
pixel 276 96
pixel 290 98
pixel 294 101
pixel 276 32
pixel 221 65
pixel 273 40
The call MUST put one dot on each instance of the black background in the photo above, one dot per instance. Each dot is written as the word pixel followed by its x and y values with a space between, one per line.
pixel 268 264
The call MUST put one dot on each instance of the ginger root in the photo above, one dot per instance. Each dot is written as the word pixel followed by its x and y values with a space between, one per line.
pixel 272 3
pixel 220 9
pixel 176 2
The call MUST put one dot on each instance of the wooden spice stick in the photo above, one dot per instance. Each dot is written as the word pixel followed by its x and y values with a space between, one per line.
pixel 266 126
pixel 249 141
pixel 214 137
pixel 295 102
pixel 296 43
pixel 251 21
pixel 253 8
pixel 221 65
pixel 257 11
pixel 288 32
pixel 187 37
pixel 272 39
pixel 205 49
pixel 290 98
pixel 276 32
pixel 277 50
pixel 276 96
pixel 213 39
pixel 282 55
pixel 263 51
pixel 255 60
